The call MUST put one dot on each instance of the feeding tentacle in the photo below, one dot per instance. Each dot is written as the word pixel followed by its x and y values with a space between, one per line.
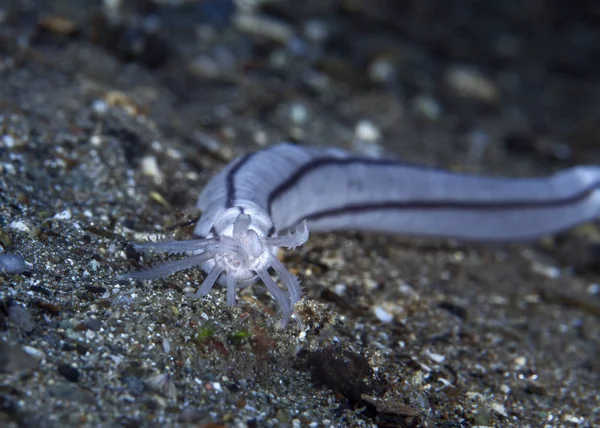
pixel 170 268
pixel 178 247
pixel 209 281
pixel 287 278
pixel 277 294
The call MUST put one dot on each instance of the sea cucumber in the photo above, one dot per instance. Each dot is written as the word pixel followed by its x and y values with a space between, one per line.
pixel 249 206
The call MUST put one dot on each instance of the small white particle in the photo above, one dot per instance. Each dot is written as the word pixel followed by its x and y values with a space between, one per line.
pixel 100 106
pixel 471 83
pixel 298 113
pixel 370 284
pixel 340 289
pixel 8 141
pixel 382 70
pixel 315 30
pixel 64 215
pixel 499 409
pixel 547 271
pixel 437 358
pixel 520 362
pixel 189 291
pixel 150 168
pixel 217 386
pixel 264 27
pixel 34 352
pixel 166 346
pixel 9 169
pixel 383 315
pixel 174 154
pixel 19 226
pixel 573 419
pixel 498 300
pixel 261 138
pixel 366 130
pixel 94 265
pixel 116 359
pixel 428 107
pixel 445 382
pixel 406 289
pixel 424 367
pixel 532 298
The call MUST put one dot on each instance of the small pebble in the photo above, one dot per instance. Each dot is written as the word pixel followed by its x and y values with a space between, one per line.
pixel 34 352
pixel 69 372
pixel 8 141
pixel 19 226
pixel 264 27
pixel 204 66
pixel 298 113
pixel 12 264
pixel 519 362
pixel 366 130
pixel 316 31
pixel 151 169
pixel 428 107
pixel 63 215
pixel 383 315
pixel 367 137
pixel 469 82
pixel 163 384
pixel 436 358
pixel 382 70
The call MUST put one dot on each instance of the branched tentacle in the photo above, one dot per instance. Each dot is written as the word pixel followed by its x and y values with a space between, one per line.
pixel 290 240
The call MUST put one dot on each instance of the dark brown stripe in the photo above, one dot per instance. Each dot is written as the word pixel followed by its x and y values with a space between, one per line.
pixel 316 164
pixel 505 205
pixel 230 180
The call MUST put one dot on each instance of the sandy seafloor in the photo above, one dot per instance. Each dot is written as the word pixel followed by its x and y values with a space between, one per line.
pixel 114 115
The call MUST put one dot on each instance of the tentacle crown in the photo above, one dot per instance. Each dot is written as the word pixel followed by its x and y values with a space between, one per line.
pixel 238 257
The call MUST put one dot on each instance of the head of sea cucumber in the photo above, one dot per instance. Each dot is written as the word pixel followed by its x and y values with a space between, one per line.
pixel 242 251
